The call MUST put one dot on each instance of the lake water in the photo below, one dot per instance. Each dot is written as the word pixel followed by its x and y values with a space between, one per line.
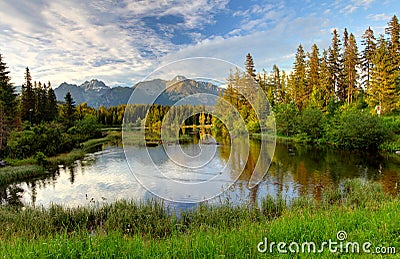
pixel 295 170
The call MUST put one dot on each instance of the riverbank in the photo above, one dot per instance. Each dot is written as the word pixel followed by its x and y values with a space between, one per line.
pixel 32 167
pixel 124 228
pixel 389 147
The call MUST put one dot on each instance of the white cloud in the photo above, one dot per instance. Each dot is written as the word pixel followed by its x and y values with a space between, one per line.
pixel 120 42
pixel 352 5
pixel 272 46
pixel 78 40
pixel 379 17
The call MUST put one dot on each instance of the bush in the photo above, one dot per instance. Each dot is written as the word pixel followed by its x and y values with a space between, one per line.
pixel 40 158
pixel 356 129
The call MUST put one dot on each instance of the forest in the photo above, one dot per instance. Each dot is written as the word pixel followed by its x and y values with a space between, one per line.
pixel 341 96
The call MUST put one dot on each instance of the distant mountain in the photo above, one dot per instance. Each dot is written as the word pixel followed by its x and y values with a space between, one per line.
pixel 95 93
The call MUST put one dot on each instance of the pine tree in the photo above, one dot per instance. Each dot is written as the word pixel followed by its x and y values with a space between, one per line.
pixel 382 90
pixel 393 30
pixel 283 92
pixel 313 67
pixel 7 103
pixel 369 43
pixel 278 91
pixel 350 63
pixel 51 104
pixel 327 93
pixel 302 92
pixel 342 87
pixel 69 110
pixel 334 57
pixel 27 97
pixel 249 65
pixel 40 102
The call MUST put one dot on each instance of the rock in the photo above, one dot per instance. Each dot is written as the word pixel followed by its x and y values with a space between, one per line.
pixel 3 163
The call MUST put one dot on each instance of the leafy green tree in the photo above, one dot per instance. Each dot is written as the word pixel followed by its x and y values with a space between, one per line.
pixel 7 104
pixel 285 119
pixel 310 123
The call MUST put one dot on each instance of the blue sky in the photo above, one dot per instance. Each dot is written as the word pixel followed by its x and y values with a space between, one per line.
pixel 121 41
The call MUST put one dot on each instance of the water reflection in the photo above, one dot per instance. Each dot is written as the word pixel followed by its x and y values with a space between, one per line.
pixel 296 170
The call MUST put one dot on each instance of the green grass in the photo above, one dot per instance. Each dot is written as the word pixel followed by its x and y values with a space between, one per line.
pixel 12 174
pixel 149 230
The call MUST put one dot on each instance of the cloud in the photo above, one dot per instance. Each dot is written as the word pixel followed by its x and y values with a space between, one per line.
pixel 379 17
pixel 78 40
pixel 121 41
pixel 271 46
pixel 353 5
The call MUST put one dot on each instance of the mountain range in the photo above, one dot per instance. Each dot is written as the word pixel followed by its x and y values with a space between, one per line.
pixel 95 93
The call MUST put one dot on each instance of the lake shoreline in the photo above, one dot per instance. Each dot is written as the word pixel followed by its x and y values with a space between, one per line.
pixel 27 169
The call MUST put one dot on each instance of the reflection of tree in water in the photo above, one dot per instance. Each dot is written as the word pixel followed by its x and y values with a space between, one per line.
pixel 11 195
pixel 239 160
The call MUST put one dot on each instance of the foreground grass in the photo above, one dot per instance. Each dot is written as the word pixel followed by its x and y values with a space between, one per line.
pixel 128 229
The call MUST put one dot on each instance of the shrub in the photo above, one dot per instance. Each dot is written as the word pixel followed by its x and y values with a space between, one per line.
pixel 356 129
pixel 40 158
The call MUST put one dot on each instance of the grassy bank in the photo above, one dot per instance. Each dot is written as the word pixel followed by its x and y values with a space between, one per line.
pixel 16 173
pixel 149 230
pixel 31 168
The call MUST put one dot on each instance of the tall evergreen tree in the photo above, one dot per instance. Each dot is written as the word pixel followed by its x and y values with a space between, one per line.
pixel 302 92
pixel 350 63
pixel 334 57
pixel 393 30
pixel 382 90
pixel 369 43
pixel 69 110
pixel 327 90
pixel 7 103
pixel 40 102
pixel 27 97
pixel 278 91
pixel 342 87
pixel 51 104
pixel 313 71
pixel 249 65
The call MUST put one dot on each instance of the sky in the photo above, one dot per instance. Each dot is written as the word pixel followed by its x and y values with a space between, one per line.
pixel 121 41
